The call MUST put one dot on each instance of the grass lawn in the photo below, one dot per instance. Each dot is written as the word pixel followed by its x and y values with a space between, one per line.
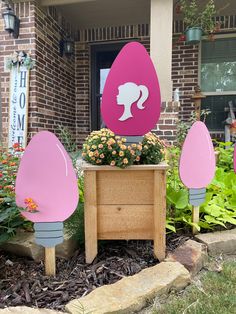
pixel 213 292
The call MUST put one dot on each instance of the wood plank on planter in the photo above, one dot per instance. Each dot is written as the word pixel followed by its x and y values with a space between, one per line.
pixel 125 187
pixel 124 222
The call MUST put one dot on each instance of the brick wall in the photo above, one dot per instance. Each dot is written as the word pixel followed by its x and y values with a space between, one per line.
pixel 8 45
pixel 52 81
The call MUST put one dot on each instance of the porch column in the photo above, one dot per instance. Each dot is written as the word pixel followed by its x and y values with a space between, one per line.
pixel 161 22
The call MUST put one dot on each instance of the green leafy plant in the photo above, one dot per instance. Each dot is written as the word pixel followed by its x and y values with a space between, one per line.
pixel 74 225
pixel 194 17
pixel 182 127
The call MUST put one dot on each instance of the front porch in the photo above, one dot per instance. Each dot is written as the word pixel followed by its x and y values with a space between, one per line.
pixel 66 90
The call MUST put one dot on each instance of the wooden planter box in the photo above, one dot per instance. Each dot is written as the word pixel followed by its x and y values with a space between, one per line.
pixel 125 204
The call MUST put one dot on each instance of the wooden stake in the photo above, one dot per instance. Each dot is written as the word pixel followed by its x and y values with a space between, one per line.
pixel 159 214
pixel 50 261
pixel 195 218
pixel 90 216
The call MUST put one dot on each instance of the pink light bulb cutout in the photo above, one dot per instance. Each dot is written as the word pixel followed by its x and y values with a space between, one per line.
pixel 197 162
pixel 131 100
pixel 46 175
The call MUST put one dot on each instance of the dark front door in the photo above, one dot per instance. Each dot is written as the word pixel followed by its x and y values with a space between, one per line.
pixel 102 57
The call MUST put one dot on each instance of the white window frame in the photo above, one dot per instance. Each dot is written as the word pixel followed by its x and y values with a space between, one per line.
pixel 221 93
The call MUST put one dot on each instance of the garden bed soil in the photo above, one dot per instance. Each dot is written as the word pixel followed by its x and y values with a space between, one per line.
pixel 22 281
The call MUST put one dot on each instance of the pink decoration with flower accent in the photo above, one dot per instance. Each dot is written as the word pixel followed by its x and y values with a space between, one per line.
pixel 46 175
pixel 131 100
pixel 197 162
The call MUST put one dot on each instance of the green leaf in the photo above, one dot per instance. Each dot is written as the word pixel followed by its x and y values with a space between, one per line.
pixel 170 227
pixel 211 219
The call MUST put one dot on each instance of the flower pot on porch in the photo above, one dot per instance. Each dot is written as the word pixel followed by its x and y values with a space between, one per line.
pixel 125 204
pixel 193 35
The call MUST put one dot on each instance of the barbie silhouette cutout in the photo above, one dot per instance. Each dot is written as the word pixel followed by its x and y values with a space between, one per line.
pixel 131 98
pixel 129 93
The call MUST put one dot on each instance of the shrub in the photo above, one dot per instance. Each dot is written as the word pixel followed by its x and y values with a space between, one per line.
pixel 105 148
pixel 153 149
pixel 10 218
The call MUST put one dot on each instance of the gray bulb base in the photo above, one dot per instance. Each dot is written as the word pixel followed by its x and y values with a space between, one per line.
pixel 48 234
pixel 197 196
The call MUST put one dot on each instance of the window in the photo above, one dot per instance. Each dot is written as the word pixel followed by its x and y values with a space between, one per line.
pixel 218 79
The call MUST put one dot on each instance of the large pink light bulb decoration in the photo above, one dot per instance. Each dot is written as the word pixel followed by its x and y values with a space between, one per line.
pixel 131 101
pixel 197 162
pixel 46 175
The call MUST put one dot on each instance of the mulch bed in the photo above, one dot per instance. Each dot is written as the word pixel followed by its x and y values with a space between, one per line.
pixel 22 281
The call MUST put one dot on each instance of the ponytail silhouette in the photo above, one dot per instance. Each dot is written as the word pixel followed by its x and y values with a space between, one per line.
pixel 144 96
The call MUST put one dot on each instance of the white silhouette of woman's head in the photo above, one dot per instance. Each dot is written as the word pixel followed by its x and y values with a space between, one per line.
pixel 129 93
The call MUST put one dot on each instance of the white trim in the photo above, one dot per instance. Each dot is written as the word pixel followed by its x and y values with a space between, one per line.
pixel 223 93
pixel 205 38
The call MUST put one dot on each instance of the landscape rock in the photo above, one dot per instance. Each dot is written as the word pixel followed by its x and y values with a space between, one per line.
pixel 131 293
pixel 191 254
pixel 23 244
pixel 219 242
pixel 26 310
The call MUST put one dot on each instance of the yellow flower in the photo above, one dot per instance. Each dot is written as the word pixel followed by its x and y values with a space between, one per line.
pixel 94 146
pixel 90 154
pixel 124 139
pixel 134 145
pixel 117 137
pixel 123 147
pixel 111 141
pixel 103 138
pixel 125 161
pixel 145 146
pixel 114 152
pixel 113 163
pixel 100 146
pixel 84 154
pixel 121 154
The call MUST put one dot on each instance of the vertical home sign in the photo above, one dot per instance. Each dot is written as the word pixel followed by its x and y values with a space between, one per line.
pixel 18 106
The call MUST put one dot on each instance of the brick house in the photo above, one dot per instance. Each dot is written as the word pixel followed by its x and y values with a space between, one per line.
pixel 66 90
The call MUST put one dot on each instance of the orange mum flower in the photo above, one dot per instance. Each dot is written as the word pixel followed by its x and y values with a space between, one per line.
pixel 31 206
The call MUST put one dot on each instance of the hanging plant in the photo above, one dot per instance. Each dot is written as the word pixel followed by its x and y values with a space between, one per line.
pixel 20 58
pixel 198 21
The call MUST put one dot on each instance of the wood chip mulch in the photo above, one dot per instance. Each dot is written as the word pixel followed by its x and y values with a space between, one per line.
pixel 22 281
